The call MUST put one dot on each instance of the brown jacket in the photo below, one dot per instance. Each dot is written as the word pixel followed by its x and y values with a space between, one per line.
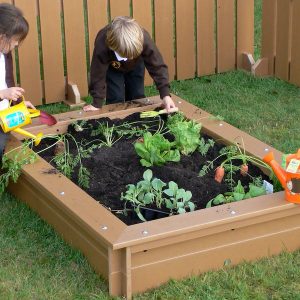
pixel 103 57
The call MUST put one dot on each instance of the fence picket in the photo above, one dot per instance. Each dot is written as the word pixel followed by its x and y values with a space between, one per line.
pixel 283 39
pixel 245 29
pixel 75 44
pixel 295 57
pixel 29 61
pixel 97 19
pixel 143 14
pixel 269 27
pixel 206 44
pixel 185 39
pixel 54 81
pixel 226 56
pixel 119 8
pixel 164 36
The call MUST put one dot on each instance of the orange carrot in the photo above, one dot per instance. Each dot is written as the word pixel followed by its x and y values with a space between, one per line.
pixel 244 169
pixel 219 174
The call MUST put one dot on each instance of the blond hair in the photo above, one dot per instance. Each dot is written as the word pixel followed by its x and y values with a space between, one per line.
pixel 125 36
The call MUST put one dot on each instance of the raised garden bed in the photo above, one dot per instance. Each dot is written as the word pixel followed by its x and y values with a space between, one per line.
pixel 173 247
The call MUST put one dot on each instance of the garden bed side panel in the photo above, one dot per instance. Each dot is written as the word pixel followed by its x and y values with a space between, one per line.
pixel 174 247
pixel 74 214
pixel 218 236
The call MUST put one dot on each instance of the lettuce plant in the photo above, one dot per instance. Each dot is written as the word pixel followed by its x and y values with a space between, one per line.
pixel 186 133
pixel 156 150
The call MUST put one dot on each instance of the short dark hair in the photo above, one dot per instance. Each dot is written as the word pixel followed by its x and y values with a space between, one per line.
pixel 12 22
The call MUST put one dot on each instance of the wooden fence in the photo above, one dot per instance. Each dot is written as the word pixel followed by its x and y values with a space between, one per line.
pixel 196 37
pixel 281 39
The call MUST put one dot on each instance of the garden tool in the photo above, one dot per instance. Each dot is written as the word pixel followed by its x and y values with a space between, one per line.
pixel 17 116
pixel 152 114
pixel 288 177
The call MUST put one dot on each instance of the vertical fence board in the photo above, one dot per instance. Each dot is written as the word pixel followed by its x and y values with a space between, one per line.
pixel 54 81
pixel 143 14
pixel 206 44
pixel 97 16
pixel 164 37
pixel 119 8
pixel 283 38
pixel 75 44
pixel 225 36
pixel 185 39
pixel 295 56
pixel 29 61
pixel 269 27
pixel 245 29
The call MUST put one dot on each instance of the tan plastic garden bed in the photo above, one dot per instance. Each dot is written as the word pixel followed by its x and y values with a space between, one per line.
pixel 142 256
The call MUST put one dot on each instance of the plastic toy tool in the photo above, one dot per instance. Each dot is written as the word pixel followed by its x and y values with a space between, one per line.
pixel 288 177
pixel 17 116
pixel 152 114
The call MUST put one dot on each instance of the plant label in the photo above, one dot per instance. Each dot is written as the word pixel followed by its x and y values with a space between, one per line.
pixel 268 187
pixel 293 166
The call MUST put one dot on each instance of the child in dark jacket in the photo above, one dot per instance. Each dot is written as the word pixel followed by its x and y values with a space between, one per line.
pixel 122 51
pixel 13 30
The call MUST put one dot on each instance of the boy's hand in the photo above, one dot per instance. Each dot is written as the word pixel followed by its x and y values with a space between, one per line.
pixel 29 104
pixel 13 93
pixel 90 107
pixel 168 103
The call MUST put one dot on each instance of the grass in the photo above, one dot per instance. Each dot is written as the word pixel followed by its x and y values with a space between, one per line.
pixel 35 263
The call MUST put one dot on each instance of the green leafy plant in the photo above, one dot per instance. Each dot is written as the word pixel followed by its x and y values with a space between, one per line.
pixel 238 194
pixel 156 150
pixel 143 193
pixel 179 199
pixel 109 133
pixel 186 133
pixel 204 147
pixel 150 191
pixel 66 162
pixel 81 125
pixel 134 129
pixel 13 161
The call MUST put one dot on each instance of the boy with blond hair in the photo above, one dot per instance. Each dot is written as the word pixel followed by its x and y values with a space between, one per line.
pixel 122 51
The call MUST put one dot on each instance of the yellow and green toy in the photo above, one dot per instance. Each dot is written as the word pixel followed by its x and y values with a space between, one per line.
pixel 17 116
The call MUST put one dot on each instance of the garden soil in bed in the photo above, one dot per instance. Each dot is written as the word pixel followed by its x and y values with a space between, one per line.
pixel 111 169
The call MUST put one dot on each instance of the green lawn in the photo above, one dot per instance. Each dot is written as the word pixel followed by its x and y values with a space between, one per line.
pixel 35 263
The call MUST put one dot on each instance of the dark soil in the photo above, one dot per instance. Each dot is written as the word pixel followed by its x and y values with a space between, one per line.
pixel 113 168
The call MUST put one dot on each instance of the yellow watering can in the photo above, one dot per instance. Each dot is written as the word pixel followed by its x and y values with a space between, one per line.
pixel 14 117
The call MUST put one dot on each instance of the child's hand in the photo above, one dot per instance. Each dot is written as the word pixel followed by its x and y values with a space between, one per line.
pixel 13 93
pixel 90 107
pixel 168 103
pixel 29 104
